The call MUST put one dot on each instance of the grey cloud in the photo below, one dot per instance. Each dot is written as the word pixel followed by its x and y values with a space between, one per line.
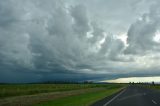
pixel 113 16
pixel 142 32
pixel 81 22
pixel 48 40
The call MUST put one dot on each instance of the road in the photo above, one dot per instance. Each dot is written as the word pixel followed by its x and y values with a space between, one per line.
pixel 132 96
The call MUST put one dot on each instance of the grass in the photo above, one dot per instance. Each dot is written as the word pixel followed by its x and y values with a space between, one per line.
pixel 156 87
pixel 82 99
pixel 55 94
pixel 29 89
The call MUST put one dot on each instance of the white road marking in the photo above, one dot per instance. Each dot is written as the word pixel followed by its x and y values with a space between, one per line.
pixel 154 102
pixel 114 98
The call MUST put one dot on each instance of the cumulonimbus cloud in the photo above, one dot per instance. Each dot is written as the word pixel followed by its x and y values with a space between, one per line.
pixel 42 39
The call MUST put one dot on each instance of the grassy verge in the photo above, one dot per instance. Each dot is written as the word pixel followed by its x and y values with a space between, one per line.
pixel 29 100
pixel 155 87
pixel 30 89
pixel 81 99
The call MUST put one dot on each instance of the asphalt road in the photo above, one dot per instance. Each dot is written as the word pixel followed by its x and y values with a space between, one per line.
pixel 132 96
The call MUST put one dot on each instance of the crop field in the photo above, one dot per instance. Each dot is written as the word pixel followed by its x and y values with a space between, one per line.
pixel 55 94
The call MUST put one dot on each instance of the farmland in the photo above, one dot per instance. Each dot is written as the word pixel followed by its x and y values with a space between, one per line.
pixel 53 94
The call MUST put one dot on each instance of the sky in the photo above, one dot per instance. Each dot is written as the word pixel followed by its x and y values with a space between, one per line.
pixel 135 80
pixel 78 40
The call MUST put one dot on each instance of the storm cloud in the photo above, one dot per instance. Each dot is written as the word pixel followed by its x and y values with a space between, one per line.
pixel 74 40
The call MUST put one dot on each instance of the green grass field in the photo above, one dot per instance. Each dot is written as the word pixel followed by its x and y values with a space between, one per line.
pixel 68 94
pixel 85 99
pixel 28 89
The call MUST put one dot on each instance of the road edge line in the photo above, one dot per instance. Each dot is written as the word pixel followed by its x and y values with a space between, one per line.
pixel 114 97
pixel 154 102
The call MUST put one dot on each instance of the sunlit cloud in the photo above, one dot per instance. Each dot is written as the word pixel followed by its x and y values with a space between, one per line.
pixel 135 80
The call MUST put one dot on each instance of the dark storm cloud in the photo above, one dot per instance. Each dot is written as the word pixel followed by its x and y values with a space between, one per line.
pixel 60 40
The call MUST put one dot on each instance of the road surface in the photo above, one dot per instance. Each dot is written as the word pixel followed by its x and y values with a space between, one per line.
pixel 132 96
